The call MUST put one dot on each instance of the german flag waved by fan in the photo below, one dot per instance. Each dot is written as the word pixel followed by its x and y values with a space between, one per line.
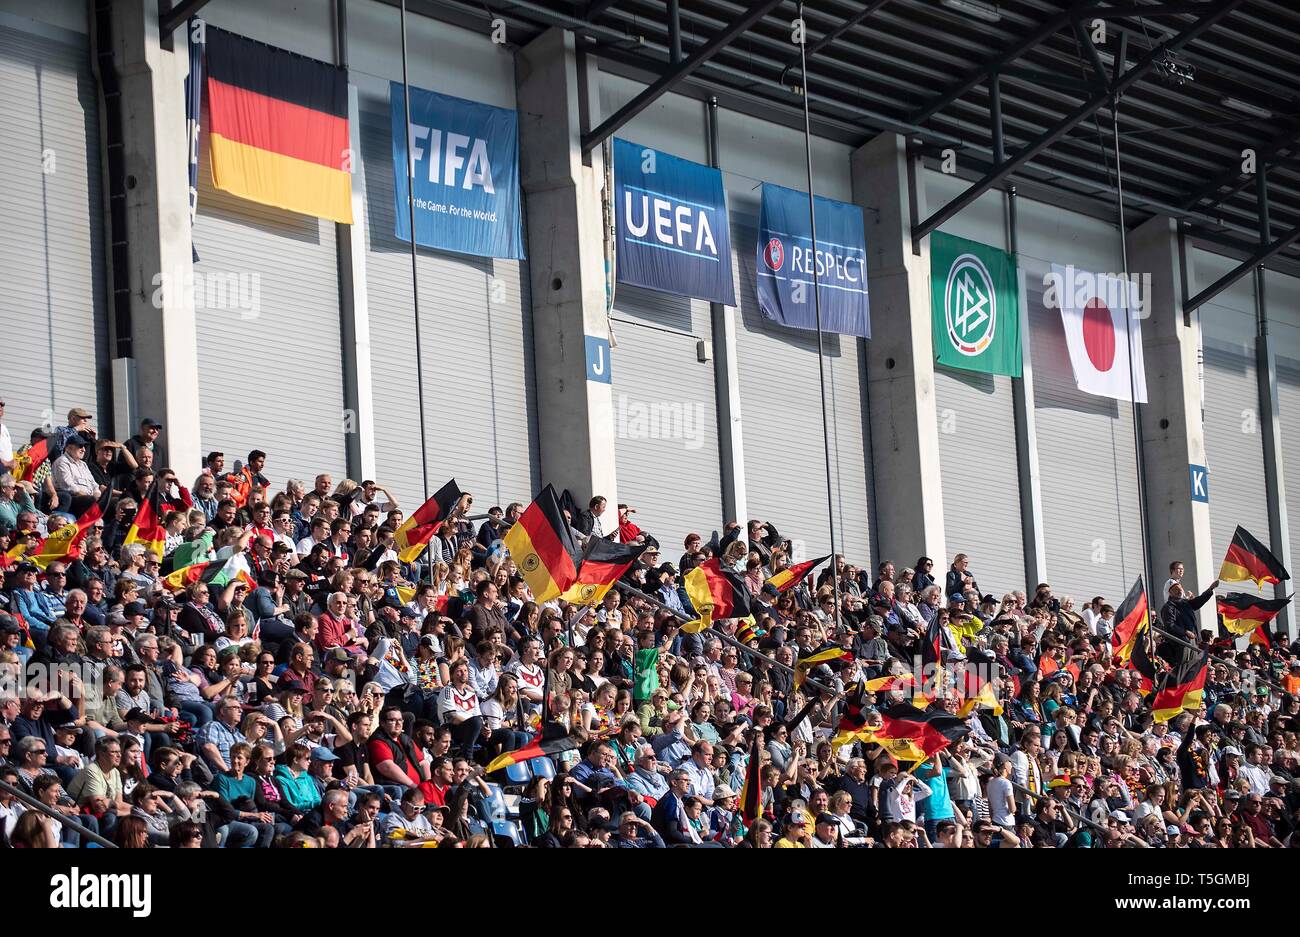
pixel 1241 613
pixel 1145 666
pixel 541 544
pixel 822 654
pixel 788 578
pixel 1248 560
pixel 537 748
pixel 147 529
pixel 64 543
pixel 603 564
pixel 418 529
pixel 1132 621
pixel 715 593
pixel 1181 689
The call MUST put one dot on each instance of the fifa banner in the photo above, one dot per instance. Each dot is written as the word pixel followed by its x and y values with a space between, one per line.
pixel 974 306
pixel 672 224
pixel 786 263
pixel 465 163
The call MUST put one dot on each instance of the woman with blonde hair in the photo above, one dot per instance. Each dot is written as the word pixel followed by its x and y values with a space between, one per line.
pixel 438 576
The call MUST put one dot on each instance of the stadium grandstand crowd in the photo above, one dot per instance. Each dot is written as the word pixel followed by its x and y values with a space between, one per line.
pixel 227 662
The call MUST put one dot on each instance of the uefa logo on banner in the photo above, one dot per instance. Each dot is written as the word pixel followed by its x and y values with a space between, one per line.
pixel 774 254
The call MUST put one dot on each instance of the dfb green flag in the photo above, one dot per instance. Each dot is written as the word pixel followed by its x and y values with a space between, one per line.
pixel 974 306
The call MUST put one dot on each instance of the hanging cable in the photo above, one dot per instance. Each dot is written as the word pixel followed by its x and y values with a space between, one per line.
pixel 1134 407
pixel 415 275
pixel 817 306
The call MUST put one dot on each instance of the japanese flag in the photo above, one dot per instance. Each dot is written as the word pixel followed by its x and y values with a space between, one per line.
pixel 1102 329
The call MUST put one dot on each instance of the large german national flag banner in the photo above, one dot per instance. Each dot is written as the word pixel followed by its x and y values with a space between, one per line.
pixel 1131 621
pixel 1248 560
pixel 1181 689
pixel 534 749
pixel 147 529
pixel 715 593
pixel 603 564
pixel 787 579
pixel 278 127
pixel 418 529
pixel 1242 613
pixel 541 544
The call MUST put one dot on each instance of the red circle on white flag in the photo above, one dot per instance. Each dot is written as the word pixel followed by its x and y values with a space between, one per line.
pixel 1099 335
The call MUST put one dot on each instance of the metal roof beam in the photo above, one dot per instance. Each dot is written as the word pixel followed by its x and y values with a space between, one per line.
pixel 1080 113
pixel 593 138
pixel 833 35
pixel 1246 266
pixel 1263 152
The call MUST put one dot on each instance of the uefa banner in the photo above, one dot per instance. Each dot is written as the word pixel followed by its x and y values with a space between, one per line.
pixel 672 224
pixel 974 306
pixel 786 263
pixel 466 171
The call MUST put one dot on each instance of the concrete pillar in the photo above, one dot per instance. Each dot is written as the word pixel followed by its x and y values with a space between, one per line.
pixel 164 342
pixel 575 413
pixel 1172 429
pixel 900 356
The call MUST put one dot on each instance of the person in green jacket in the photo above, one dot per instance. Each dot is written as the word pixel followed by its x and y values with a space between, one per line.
pixel 297 786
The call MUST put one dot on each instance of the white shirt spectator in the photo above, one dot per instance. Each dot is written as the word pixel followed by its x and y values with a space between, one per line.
pixel 73 476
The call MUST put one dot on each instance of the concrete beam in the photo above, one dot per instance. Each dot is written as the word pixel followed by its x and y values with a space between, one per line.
pixel 566 264
pixel 158 231
pixel 900 356
pixel 1172 427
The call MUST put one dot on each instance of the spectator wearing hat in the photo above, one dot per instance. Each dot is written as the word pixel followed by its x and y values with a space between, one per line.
pixel 80 423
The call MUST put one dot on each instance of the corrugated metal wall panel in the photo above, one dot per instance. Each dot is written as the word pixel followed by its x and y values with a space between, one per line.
pixel 51 250
pixel 1234 445
pixel 476 346
pixel 1288 395
pixel 665 416
pixel 977 433
pixel 270 356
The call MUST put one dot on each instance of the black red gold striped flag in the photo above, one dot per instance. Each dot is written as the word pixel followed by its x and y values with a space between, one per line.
pixel 1181 689
pixel 1241 613
pixel 418 529
pixel 751 792
pixel 603 564
pixel 789 578
pixel 278 127
pixel 715 593
pixel 147 529
pixel 932 644
pixel 926 732
pixel 541 544
pixel 821 654
pixel 1248 560
pixel 1131 621
pixel 1140 661
pixel 64 543
pixel 534 749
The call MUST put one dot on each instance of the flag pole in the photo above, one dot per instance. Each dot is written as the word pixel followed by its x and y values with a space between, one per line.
pixel 415 276
pixel 817 306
